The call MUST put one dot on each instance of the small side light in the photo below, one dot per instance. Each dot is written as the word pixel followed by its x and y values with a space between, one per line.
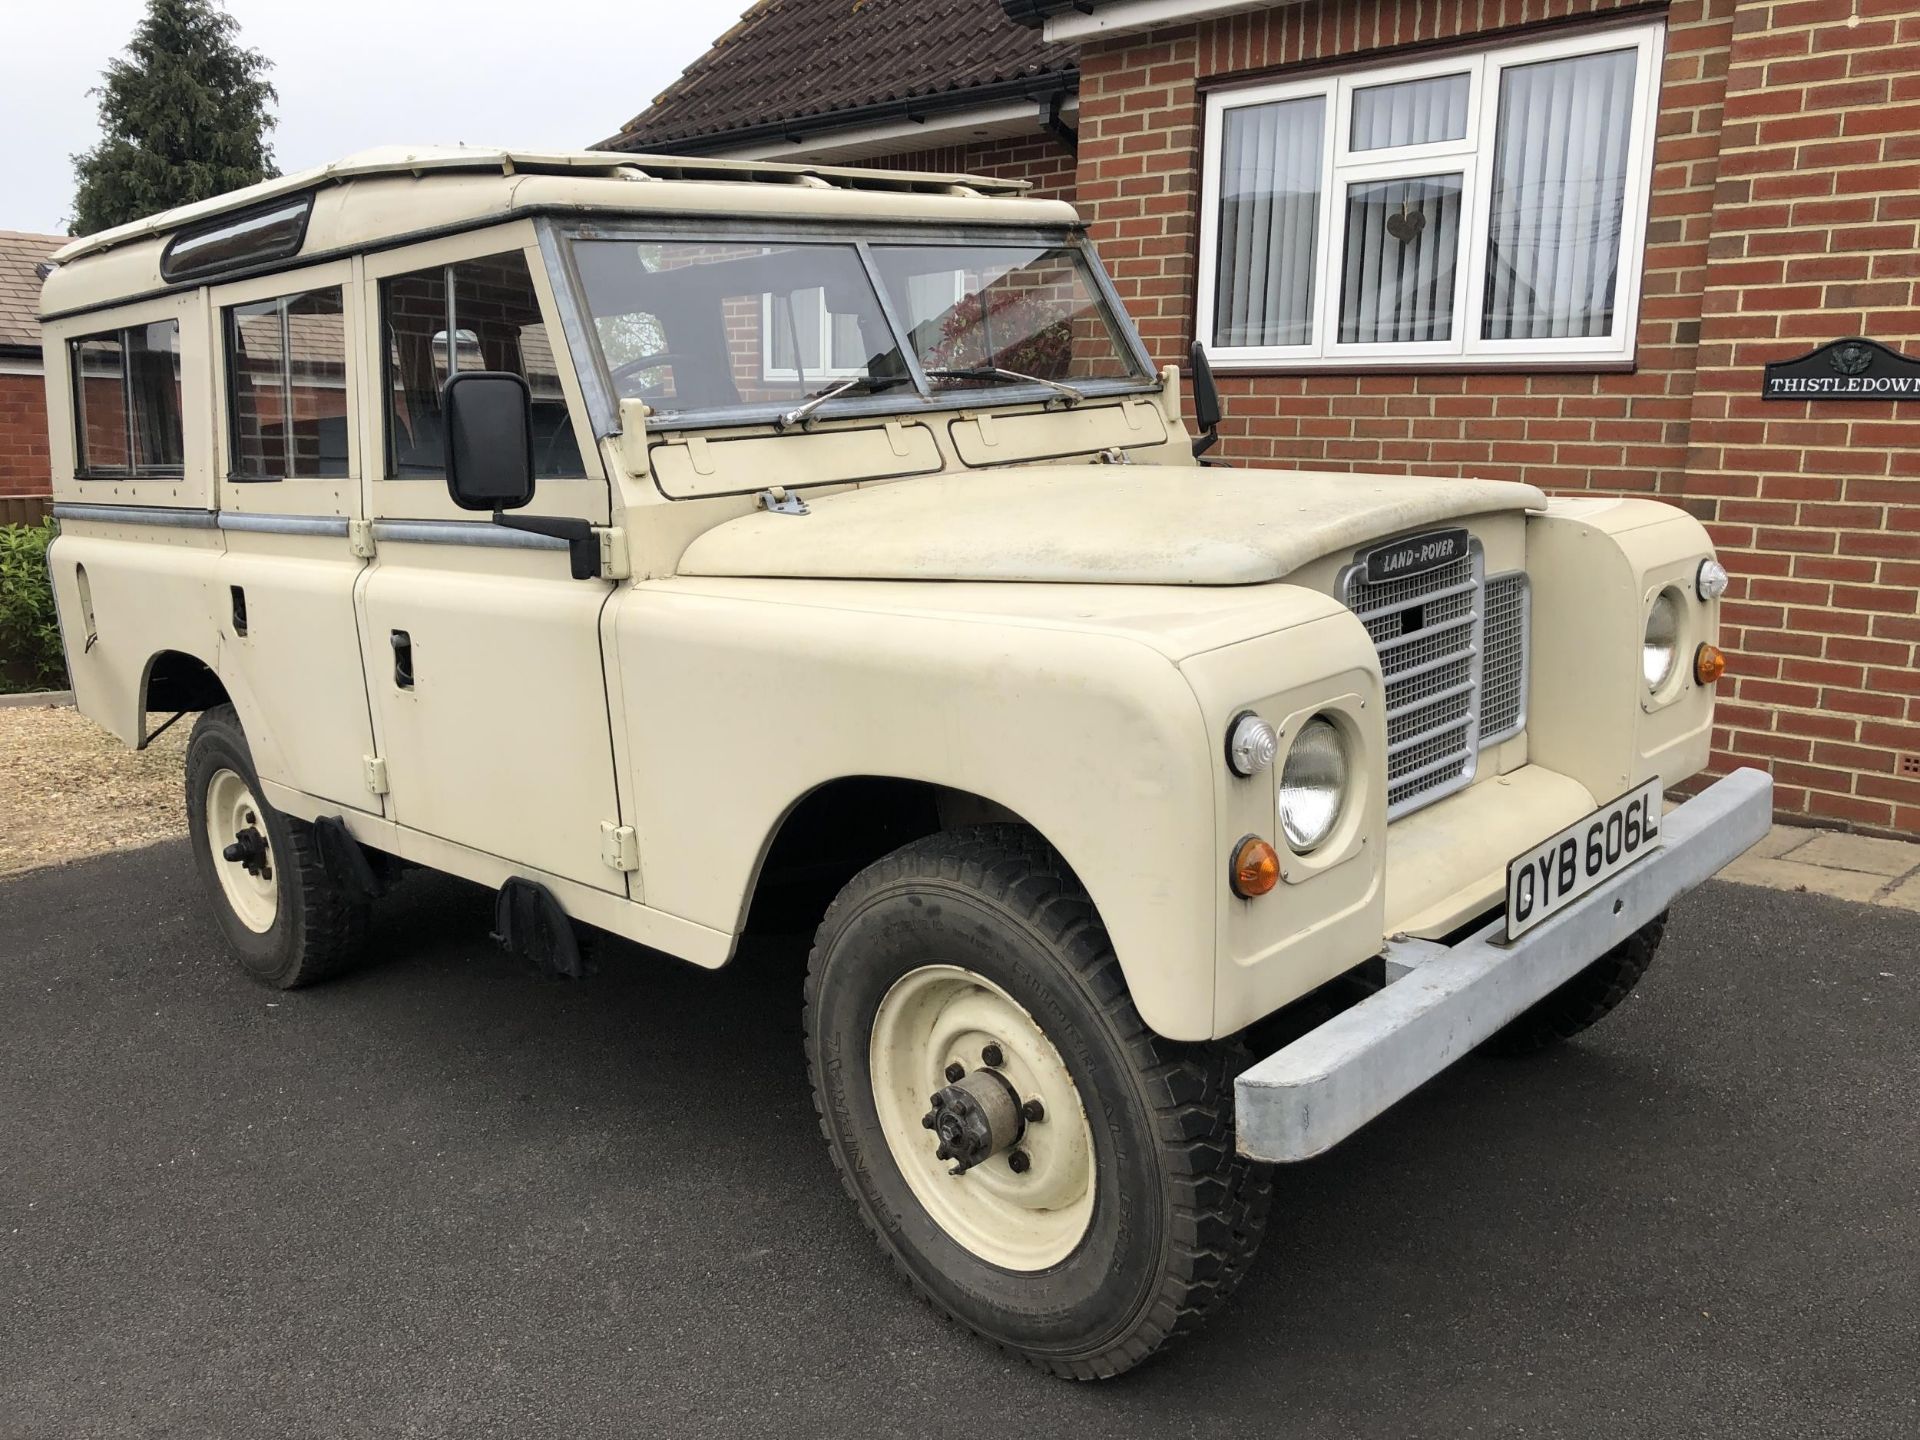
pixel 1256 868
pixel 1711 581
pixel 1709 664
pixel 1252 745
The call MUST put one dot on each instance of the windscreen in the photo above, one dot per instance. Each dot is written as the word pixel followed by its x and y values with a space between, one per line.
pixel 698 328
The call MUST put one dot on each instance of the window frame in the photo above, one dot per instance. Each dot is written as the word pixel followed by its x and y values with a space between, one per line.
pixel 1472 158
pixel 120 334
pixel 229 380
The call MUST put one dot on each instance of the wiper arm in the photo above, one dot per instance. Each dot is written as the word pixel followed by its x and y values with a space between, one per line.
pixel 1000 372
pixel 859 384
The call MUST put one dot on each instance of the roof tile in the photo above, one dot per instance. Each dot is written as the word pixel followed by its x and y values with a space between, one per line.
pixel 791 60
pixel 20 286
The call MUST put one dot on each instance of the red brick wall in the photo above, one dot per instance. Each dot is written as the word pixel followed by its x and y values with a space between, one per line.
pixel 1792 226
pixel 1040 160
pixel 23 436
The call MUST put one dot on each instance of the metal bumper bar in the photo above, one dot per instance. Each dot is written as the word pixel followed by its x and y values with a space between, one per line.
pixel 1444 1000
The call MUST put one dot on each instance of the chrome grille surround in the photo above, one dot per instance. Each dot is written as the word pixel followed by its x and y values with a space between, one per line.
pixel 1433 672
pixel 1503 694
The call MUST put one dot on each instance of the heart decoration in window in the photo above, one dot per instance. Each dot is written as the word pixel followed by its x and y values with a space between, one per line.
pixel 1407 225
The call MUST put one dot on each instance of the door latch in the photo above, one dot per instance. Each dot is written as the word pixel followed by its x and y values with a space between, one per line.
pixel 402 659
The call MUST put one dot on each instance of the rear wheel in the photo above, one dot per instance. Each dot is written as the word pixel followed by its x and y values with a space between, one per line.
pixel 288 921
pixel 1584 1000
pixel 1039 1164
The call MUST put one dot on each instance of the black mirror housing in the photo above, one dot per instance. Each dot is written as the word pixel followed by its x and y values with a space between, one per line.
pixel 1206 400
pixel 489 419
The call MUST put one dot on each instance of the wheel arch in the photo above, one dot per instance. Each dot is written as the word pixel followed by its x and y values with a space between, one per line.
pixel 175 680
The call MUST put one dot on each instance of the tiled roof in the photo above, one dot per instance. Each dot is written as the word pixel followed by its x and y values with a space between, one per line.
pixel 20 287
pixel 802 60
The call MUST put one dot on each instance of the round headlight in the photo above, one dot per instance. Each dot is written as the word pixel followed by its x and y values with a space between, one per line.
pixel 1662 642
pixel 1711 582
pixel 1251 744
pixel 1313 784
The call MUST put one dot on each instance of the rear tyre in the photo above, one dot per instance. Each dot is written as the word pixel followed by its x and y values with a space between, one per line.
pixel 1584 1000
pixel 286 919
pixel 1119 1215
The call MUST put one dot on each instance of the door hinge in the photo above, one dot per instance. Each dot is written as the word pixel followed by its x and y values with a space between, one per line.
pixel 360 538
pixel 619 846
pixel 615 563
pixel 376 773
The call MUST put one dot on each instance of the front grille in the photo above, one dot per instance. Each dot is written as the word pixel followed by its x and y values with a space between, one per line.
pixel 1503 702
pixel 1428 630
pixel 1453 652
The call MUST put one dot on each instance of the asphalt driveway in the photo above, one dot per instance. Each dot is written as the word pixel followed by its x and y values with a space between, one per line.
pixel 444 1197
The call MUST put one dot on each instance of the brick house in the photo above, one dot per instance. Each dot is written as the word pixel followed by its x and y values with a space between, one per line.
pixel 24 476
pixel 1547 240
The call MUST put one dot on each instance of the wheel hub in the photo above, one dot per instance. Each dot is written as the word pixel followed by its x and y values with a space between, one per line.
pixel 975 1118
pixel 249 851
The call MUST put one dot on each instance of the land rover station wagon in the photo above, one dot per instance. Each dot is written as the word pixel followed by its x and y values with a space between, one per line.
pixel 673 546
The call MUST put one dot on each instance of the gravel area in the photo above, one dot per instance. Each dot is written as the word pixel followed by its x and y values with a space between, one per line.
pixel 68 789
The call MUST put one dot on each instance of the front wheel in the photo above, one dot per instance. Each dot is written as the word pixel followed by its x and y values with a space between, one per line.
pixel 1586 999
pixel 288 921
pixel 1039 1164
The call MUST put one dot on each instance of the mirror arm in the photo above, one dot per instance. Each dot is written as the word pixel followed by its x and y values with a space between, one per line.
pixel 1205 443
pixel 583 545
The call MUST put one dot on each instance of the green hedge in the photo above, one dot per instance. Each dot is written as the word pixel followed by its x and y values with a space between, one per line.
pixel 30 657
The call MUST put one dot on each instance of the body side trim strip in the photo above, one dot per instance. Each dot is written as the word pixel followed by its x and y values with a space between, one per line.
pixel 137 515
pixel 462 532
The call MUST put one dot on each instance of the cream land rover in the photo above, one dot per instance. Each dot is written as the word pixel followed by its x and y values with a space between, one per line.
pixel 652 539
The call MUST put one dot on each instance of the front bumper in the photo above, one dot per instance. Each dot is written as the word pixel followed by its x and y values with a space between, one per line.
pixel 1443 1000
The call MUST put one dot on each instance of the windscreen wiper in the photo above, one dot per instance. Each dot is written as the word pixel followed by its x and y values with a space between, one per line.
pixel 1000 372
pixel 858 385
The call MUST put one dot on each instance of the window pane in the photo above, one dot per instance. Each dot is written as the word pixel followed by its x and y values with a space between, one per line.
pixel 495 303
pixel 413 309
pixel 1559 197
pixel 287 369
pixel 100 394
pixel 1399 266
pixel 697 325
pixel 1027 308
pixel 1414 112
pixel 1270 161
pixel 153 382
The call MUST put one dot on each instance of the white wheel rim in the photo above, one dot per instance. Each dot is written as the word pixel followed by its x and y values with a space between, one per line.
pixel 941 1015
pixel 231 811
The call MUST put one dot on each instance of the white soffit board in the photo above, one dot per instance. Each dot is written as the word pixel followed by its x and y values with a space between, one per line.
pixel 1126 17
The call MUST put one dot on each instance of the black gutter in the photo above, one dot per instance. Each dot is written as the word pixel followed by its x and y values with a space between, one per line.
pixel 1035 13
pixel 1049 89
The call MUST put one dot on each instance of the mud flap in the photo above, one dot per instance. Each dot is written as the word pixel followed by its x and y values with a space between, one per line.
pixel 343 859
pixel 528 922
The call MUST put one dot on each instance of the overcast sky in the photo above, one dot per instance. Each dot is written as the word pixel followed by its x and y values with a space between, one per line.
pixel 357 73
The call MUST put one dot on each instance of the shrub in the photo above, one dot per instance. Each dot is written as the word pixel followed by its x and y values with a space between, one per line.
pixel 30 657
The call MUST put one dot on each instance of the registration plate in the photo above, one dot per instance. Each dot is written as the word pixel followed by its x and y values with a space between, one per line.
pixel 1552 875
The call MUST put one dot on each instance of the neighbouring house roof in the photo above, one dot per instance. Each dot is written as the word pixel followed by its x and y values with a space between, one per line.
pixel 805 65
pixel 20 288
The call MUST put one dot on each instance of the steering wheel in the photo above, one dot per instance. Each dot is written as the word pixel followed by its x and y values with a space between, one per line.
pixel 620 373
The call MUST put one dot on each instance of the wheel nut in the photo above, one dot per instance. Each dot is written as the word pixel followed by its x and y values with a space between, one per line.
pixel 930 1119
pixel 1034 1111
pixel 956 1073
pixel 992 1057
pixel 943 1153
pixel 1018 1162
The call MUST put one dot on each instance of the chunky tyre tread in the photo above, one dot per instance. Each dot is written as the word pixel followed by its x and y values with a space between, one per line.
pixel 1584 1000
pixel 1220 1199
pixel 328 918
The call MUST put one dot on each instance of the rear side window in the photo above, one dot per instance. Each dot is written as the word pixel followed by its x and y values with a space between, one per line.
pixel 475 315
pixel 126 401
pixel 287 387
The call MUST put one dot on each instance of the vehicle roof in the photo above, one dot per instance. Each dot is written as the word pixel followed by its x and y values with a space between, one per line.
pixel 380 197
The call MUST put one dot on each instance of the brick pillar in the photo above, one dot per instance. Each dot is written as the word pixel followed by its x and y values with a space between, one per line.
pixel 1816 505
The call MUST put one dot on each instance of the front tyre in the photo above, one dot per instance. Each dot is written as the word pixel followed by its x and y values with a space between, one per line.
pixel 1040 1165
pixel 288 921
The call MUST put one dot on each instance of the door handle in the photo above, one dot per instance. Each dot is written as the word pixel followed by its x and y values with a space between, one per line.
pixel 402 659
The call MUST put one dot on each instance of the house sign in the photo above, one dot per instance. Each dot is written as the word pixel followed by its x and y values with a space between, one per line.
pixel 1844 370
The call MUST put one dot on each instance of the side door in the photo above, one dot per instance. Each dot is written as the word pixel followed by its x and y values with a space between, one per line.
pixel 483 653
pixel 291 462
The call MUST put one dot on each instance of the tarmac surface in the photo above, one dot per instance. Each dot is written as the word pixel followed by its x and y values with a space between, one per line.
pixel 443 1196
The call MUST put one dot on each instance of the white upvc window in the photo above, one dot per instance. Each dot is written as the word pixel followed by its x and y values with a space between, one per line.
pixel 1483 210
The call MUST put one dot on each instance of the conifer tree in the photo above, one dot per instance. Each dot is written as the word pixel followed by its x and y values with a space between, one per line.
pixel 183 116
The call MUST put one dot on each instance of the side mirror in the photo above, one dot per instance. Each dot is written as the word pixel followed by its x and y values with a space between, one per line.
pixel 1206 401
pixel 489 421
